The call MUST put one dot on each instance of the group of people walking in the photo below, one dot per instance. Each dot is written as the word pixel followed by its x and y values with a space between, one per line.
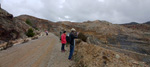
pixel 70 39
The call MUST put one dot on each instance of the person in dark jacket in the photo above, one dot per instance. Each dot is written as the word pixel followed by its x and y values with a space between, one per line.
pixel 72 36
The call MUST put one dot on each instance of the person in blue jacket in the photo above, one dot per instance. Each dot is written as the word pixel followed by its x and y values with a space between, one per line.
pixel 72 37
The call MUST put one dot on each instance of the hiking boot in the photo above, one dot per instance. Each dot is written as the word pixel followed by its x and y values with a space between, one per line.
pixel 70 59
pixel 64 50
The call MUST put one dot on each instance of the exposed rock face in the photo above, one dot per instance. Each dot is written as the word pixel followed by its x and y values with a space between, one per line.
pixel 11 29
pixel 93 40
pixel 8 29
pixel 87 55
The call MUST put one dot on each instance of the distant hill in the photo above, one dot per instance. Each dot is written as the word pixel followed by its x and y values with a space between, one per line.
pixel 40 24
pixel 131 23
pixel 145 27
pixel 148 22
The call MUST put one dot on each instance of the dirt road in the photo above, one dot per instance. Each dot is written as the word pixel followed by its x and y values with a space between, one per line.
pixel 43 52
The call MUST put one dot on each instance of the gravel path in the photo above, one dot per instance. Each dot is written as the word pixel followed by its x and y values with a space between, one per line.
pixel 43 52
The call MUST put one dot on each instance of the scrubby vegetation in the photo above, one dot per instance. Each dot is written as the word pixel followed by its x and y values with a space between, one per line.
pixel 36 29
pixel 28 22
pixel 30 33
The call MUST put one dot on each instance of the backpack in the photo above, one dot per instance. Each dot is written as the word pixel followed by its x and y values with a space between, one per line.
pixel 67 39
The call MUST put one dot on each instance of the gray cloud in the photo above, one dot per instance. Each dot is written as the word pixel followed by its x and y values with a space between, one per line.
pixel 115 11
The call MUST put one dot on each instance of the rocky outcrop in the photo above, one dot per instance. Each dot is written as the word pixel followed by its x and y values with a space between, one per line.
pixel 11 29
pixel 8 29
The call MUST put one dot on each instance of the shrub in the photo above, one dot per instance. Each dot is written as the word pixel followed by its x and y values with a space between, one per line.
pixel 82 37
pixel 36 29
pixel 30 33
pixel 28 22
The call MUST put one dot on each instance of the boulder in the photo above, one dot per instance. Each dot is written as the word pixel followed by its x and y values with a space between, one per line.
pixel 26 40
pixel 35 37
pixel 3 45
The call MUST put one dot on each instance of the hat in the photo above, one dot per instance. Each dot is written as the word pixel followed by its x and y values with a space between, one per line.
pixel 73 29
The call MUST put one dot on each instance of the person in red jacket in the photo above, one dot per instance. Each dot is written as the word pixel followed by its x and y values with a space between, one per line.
pixel 63 41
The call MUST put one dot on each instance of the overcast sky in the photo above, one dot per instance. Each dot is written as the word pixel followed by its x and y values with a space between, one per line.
pixel 114 11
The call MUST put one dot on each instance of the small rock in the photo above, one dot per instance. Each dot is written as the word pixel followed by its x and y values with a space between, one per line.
pixel 26 40
pixel 117 56
pixel 135 63
pixel 19 41
pixel 36 37
pixel 3 44
pixel 141 64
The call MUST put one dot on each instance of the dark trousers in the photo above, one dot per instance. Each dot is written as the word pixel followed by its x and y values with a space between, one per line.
pixel 46 33
pixel 63 47
pixel 71 51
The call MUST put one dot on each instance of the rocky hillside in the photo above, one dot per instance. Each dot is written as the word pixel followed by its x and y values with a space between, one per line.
pixel 40 24
pixel 87 55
